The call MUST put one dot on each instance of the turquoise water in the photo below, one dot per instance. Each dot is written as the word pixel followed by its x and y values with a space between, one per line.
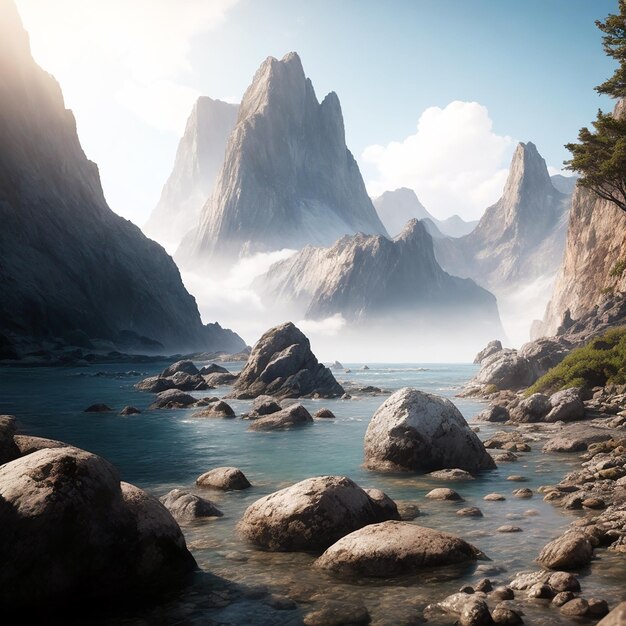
pixel 162 449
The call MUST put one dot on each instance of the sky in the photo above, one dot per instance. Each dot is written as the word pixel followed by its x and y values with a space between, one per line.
pixel 435 93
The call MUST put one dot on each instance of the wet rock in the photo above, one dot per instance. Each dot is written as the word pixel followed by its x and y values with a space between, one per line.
pixel 504 615
pixel 593 503
pixel 617 617
pixel 281 364
pixel 213 368
pixel 324 413
pixel 526 580
pixel 384 502
pixel 71 529
pixel 443 493
pixel 408 510
pixel 27 445
pixel 564 581
pixel 470 511
pixel 502 593
pixel 475 613
pixel 504 457
pixel 541 591
pixel 484 585
pixel 597 608
pixel 172 399
pixel 495 414
pixel 8 447
pixel 98 408
pixel 338 614
pixel 517 479
pixel 185 506
pixel 524 492
pixel 532 409
pixel 466 589
pixel 224 478
pixel 155 384
pixel 292 416
pixel 310 515
pixel 507 528
pixel 494 497
pixel 578 607
pixel 392 548
pixel 216 409
pixel 130 410
pixel 569 551
pixel 412 430
pixel 451 474
pixel 565 443
pixel 562 597
pixel 265 405
pixel 185 367
pixel 280 603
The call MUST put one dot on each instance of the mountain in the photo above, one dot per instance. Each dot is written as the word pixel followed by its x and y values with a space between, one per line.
pixel 199 158
pixel 67 262
pixel 288 178
pixel 516 248
pixel 396 208
pixel 564 184
pixel 367 278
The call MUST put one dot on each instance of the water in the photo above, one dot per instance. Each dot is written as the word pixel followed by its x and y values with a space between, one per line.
pixel 163 449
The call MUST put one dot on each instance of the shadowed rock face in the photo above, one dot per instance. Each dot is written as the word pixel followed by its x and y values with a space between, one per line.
pixel 199 158
pixel 281 364
pixel 68 262
pixel 288 178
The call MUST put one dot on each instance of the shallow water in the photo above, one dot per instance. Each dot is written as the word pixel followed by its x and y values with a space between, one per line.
pixel 159 450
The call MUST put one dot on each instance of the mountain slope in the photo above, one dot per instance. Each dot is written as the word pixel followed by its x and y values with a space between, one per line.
pixel 67 262
pixel 199 158
pixel 288 178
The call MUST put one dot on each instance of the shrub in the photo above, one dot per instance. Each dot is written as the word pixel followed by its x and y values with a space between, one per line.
pixel 618 269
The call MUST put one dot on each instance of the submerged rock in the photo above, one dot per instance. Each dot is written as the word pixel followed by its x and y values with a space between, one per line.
pixel 311 515
pixel 412 430
pixel 292 416
pixel 98 408
pixel 281 364
pixel 224 478
pixel 216 409
pixel 185 506
pixel 172 399
pixel 451 474
pixel 129 410
pixel 392 548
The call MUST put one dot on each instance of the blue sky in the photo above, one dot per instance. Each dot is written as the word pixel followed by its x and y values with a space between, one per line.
pixel 130 69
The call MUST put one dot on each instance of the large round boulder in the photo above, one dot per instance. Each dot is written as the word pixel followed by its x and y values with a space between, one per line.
pixel 312 514
pixel 71 530
pixel 393 548
pixel 413 431
pixel 572 550
pixel 186 367
pixel 224 478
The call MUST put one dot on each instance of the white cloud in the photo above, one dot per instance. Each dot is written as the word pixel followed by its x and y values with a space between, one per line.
pixel 454 161
pixel 328 327
pixel 134 51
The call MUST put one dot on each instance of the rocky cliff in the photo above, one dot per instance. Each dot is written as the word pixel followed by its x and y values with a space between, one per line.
pixel 199 158
pixel 67 262
pixel 288 178
pixel 396 208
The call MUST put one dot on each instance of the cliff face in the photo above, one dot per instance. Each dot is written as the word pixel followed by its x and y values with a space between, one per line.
pixel 596 244
pixel 288 178
pixel 67 262
pixel 199 158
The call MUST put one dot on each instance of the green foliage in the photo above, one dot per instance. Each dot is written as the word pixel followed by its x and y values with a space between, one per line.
pixel 601 362
pixel 618 269
pixel 614 43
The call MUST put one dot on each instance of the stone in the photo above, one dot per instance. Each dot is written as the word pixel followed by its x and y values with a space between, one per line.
pixel 475 613
pixel 186 367
pixel 507 528
pixel 562 597
pixel 392 548
pixel 470 511
pixel 264 405
pixel 311 515
pixel 502 593
pixel 567 406
pixel 338 614
pixel 569 551
pixel 524 492
pixel 216 409
pixel 213 368
pixel 324 413
pixel 494 497
pixel 491 348
pixel 8 447
pixel 98 408
pixel 290 417
pixel 218 379
pixel 494 414
pixel 412 430
pixel 384 502
pixel 130 410
pixel 451 474
pixel 484 585
pixel 224 478
pixel 282 365
pixel 504 615
pixel 541 591
pixel 443 493
pixel 408 510
pixel 526 580
pixel 516 478
pixel 564 581
pixel 172 399
pixel 532 409
pixel 597 608
pixel 155 384
pixel 26 444
pixel 617 617
pixel 578 607
pixel 185 506
pixel 70 527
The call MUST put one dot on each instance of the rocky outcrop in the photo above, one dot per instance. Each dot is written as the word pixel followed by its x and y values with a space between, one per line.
pixel 199 158
pixel 415 431
pixel 371 278
pixel 71 530
pixel 396 208
pixel 288 178
pixel 68 262
pixel 311 515
pixel 393 548
pixel 281 364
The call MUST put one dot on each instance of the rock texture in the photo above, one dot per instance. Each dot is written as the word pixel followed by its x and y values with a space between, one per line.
pixel 369 278
pixel 396 208
pixel 224 479
pixel 185 506
pixel 393 548
pixel 281 364
pixel 288 178
pixel 412 431
pixel 199 159
pixel 68 263
pixel 289 417
pixel 71 530
pixel 312 514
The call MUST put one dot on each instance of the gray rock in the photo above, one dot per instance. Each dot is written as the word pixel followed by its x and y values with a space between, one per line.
pixel 578 607
pixel 155 384
pixel 567 406
pixel 172 399
pixel 27 444
pixel 491 348
pixel 186 367
pixel 185 506
pixel 412 430
pixel 130 410
pixel 265 405
pixel 451 474
pixel 564 581
pixel 281 364
pixel 213 368
pixel 216 409
pixel 224 478
pixel 495 413
pixel 617 617
pixel 70 528
pixel 494 497
pixel 471 511
pixel 532 409
pixel 290 417
pixel 217 379
pixel 324 413
pixel 562 597
pixel 391 548
pixel 504 615
pixel 311 515
pixel 570 551
pixel 443 493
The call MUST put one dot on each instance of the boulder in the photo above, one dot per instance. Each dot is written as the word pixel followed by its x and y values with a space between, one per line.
pixel 532 409
pixel 569 551
pixel 384 502
pixel 567 406
pixel 214 368
pixel 217 379
pixel 172 399
pixel 130 410
pixel 413 430
pixel 27 444
pixel 495 413
pixel 443 493
pixel 491 348
pixel 216 409
pixel 281 364
pixel 324 414
pixel 265 405
pixel 505 370
pixel 186 367
pixel 155 384
pixel 185 506
pixel 98 408
pixel 8 448
pixel 617 617
pixel 311 515
pixel 292 416
pixel 392 548
pixel 224 478
pixel 188 382
pixel 451 474
pixel 71 530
